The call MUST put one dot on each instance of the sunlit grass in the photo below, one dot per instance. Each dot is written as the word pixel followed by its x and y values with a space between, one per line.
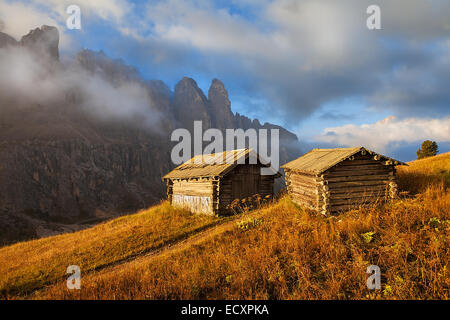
pixel 29 265
pixel 420 174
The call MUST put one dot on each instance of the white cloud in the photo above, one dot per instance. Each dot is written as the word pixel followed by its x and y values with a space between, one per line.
pixel 381 134
pixel 115 11
pixel 27 83
pixel 18 19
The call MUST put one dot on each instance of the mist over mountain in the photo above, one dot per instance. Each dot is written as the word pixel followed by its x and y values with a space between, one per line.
pixel 89 138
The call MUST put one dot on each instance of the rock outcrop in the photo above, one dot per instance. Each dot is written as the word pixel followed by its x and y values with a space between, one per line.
pixel 7 40
pixel 44 41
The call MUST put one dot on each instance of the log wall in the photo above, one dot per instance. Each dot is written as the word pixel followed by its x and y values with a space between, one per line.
pixel 349 184
pixel 357 181
pixel 303 189
pixel 214 195
pixel 243 182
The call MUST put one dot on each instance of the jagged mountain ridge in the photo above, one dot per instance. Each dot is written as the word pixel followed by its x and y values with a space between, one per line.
pixel 61 165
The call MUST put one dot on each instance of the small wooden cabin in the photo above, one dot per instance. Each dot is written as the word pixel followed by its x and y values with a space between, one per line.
pixel 335 180
pixel 210 183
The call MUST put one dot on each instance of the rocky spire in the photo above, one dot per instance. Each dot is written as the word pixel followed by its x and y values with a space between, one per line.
pixel 190 104
pixel 220 105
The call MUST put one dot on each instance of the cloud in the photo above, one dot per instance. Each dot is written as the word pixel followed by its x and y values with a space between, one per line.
pixel 296 55
pixel 388 132
pixel 17 18
pixel 303 54
pixel 25 83
pixel 114 11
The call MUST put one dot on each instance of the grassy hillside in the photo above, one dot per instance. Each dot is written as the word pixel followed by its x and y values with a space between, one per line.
pixel 280 251
pixel 29 265
pixel 420 174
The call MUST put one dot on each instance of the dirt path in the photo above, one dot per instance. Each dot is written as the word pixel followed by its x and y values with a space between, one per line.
pixel 178 244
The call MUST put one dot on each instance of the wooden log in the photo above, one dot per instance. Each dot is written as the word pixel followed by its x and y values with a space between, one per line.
pixel 357 195
pixel 304 189
pixel 358 189
pixel 386 176
pixel 354 201
pixel 304 185
pixel 352 173
pixel 358 201
pixel 303 177
pixel 377 166
pixel 305 174
pixel 359 162
pixel 360 183
pixel 306 194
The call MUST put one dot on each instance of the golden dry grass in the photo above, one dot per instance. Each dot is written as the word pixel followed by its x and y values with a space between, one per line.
pixel 420 174
pixel 30 265
pixel 285 252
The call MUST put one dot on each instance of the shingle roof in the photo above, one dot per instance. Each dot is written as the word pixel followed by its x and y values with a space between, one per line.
pixel 318 161
pixel 211 165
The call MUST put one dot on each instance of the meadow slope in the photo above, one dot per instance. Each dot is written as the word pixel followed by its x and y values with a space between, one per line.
pixel 282 251
pixel 30 265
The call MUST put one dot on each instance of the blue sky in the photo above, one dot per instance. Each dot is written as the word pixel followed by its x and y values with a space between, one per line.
pixel 309 65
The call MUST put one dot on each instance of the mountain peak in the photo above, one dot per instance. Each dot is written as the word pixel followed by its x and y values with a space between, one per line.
pixel 188 87
pixel 187 82
pixel 43 40
pixel 220 105
pixel 217 83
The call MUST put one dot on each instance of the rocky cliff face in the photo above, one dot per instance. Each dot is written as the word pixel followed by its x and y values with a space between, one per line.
pixel 59 165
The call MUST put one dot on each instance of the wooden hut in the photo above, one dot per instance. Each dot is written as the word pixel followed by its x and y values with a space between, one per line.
pixel 334 180
pixel 209 183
